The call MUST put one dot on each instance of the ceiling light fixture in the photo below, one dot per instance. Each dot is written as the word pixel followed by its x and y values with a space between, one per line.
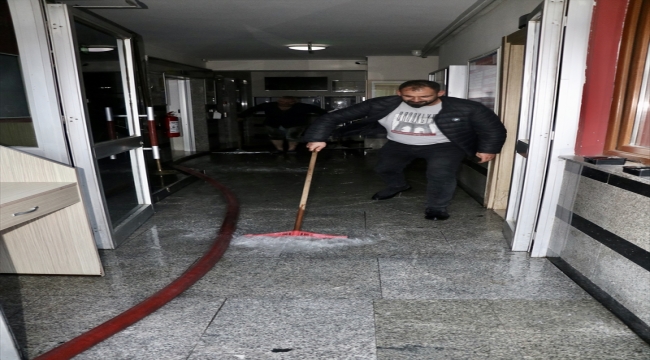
pixel 309 47
pixel 96 48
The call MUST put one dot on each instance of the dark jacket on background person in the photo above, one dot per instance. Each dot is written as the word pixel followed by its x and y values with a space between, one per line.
pixel 297 115
pixel 468 124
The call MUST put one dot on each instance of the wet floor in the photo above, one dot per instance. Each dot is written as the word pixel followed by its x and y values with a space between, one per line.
pixel 400 286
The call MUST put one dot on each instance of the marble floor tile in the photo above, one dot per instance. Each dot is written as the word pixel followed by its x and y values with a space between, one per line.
pixel 557 316
pixel 212 352
pixel 172 242
pixel 327 278
pixel 394 318
pixel 446 277
pixel 237 277
pixel 422 342
pixel 252 328
pixel 476 329
pixel 169 333
pixel 55 319
pixel 569 345
pixel 291 278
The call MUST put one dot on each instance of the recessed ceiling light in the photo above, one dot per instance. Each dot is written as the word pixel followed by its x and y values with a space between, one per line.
pixel 307 47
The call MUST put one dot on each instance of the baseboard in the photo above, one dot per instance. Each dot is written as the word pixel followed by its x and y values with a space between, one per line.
pixel 626 316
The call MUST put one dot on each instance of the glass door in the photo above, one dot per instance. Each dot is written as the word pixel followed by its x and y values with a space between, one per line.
pixel 95 67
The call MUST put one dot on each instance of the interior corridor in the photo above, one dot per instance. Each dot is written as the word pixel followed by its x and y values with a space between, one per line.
pixel 401 287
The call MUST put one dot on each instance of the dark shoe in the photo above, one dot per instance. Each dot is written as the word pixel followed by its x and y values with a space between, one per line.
pixel 436 214
pixel 389 192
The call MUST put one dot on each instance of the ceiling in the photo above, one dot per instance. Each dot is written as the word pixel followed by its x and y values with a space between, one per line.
pixel 261 29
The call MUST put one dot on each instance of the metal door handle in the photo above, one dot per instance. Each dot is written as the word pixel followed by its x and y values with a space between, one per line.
pixel 26 212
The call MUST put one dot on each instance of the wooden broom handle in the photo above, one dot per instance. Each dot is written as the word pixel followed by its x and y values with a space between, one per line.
pixel 305 192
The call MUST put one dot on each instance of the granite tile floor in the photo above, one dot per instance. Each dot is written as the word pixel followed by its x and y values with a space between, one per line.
pixel 400 287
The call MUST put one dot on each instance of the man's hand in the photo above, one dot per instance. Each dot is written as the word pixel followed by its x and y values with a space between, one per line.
pixel 316 146
pixel 485 157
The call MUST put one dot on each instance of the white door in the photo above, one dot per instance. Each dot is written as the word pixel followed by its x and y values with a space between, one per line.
pixel 534 136
pixel 95 69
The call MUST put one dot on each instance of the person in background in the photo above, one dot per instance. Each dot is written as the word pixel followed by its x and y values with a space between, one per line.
pixel 286 119
pixel 421 123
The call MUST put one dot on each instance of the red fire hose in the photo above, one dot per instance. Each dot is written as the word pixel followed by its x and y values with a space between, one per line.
pixel 102 332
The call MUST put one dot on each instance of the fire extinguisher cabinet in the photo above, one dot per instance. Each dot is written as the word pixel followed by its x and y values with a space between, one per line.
pixel 172 125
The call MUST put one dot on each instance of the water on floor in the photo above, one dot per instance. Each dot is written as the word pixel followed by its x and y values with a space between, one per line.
pixel 400 286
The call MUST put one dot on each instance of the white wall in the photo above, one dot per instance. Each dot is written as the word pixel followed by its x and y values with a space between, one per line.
pixel 400 67
pixel 485 34
pixel 272 65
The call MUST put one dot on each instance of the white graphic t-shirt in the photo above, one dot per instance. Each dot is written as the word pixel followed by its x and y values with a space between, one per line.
pixel 414 126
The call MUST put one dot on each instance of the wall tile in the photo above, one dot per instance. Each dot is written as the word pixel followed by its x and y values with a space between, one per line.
pixel 581 252
pixel 559 236
pixel 625 281
pixel 619 211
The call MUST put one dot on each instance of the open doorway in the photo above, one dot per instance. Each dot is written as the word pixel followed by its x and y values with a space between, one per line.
pixel 179 100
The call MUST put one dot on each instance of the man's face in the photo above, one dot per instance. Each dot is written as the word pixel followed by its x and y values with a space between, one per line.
pixel 424 96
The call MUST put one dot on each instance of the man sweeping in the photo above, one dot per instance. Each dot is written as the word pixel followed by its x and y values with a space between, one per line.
pixel 421 123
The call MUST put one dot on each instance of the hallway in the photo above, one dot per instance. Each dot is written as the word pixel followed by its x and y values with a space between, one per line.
pixel 401 287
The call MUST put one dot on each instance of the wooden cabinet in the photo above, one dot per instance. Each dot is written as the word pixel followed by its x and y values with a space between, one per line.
pixel 44 228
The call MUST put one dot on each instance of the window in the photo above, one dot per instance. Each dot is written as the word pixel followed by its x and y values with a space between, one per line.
pixel 16 127
pixel 628 134
pixel 482 85
pixel 384 88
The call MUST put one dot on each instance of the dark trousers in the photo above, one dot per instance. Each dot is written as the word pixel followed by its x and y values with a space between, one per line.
pixel 442 160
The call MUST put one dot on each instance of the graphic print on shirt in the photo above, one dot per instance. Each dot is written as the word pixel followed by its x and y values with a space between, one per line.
pixel 413 123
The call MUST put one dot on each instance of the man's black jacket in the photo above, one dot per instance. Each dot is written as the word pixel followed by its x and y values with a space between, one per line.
pixel 468 124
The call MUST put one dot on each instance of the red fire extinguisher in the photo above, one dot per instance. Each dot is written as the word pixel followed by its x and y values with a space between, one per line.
pixel 172 125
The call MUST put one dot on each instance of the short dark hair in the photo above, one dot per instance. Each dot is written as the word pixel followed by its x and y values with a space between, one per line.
pixel 418 84
pixel 286 97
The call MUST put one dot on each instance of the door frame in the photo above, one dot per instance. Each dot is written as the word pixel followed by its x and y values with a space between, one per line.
pixel 61 25
pixel 567 118
pixel 565 29
pixel 538 102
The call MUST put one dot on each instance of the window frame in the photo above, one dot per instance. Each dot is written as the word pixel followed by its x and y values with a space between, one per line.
pixel 627 87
